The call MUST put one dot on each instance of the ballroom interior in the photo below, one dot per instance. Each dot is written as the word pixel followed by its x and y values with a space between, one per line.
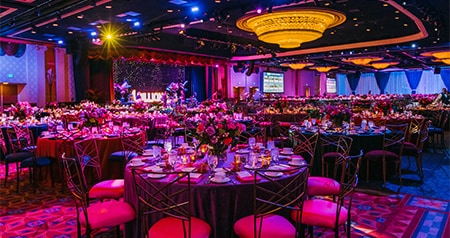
pixel 160 87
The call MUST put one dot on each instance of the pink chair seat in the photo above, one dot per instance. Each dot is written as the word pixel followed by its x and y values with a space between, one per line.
pixel 273 226
pixel 410 149
pixel 321 186
pixel 330 155
pixel 172 227
pixel 317 212
pixel 113 188
pixel 378 154
pixel 107 214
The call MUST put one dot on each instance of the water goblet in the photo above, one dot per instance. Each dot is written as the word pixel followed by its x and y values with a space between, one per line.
pixel 172 160
pixel 371 124
pixel 168 145
pixel 270 145
pixel 251 142
pixel 213 160
pixel 274 153
pixel 157 152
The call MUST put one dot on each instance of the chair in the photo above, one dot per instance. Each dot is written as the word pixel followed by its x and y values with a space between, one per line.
pixel 255 132
pixel 391 151
pixel 415 149
pixel 167 203
pixel 413 134
pixel 97 216
pixel 22 153
pixel 436 129
pixel 132 146
pixel 271 198
pixel 333 213
pixel 88 157
pixel 336 143
pixel 305 145
pixel 280 133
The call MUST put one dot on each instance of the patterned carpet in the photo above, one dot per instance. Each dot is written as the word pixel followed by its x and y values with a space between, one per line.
pixel 51 213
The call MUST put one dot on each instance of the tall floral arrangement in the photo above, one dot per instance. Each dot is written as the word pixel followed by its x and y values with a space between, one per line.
pixel 383 105
pixel 21 110
pixel 122 91
pixel 338 114
pixel 140 106
pixel 217 130
pixel 92 115
pixel 174 94
pixel 281 104
pixel 424 99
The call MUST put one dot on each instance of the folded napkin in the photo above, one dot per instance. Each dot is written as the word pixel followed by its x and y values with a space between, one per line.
pixel 245 176
pixel 195 178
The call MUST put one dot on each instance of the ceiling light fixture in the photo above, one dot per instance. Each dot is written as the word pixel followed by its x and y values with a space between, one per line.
pixel 324 69
pixel 383 64
pixel 297 66
pixel 441 56
pixel 290 28
pixel 362 60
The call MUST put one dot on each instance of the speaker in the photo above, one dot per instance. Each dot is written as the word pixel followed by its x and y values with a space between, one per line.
pixel 437 70
pixel 250 68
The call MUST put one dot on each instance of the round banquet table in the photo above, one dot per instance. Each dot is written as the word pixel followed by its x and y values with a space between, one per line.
pixel 53 147
pixel 220 205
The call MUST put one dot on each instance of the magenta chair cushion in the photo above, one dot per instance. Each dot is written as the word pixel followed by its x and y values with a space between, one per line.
pixel 410 149
pixel 173 227
pixel 330 155
pixel 378 154
pixel 113 188
pixel 107 214
pixel 272 226
pixel 318 212
pixel 322 186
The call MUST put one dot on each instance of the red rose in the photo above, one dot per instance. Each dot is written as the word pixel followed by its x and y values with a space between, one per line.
pixel 200 128
pixel 227 140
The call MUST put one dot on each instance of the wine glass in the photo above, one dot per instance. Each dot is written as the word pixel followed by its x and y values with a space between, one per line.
pixel 172 160
pixel 371 124
pixel 274 153
pixel 270 145
pixel 251 142
pixel 213 160
pixel 168 145
pixel 157 152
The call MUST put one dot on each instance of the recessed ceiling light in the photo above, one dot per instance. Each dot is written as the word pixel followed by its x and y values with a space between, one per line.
pixel 70 32
pixel 219 26
pixel 356 24
pixel 355 18
pixel 55 24
pixel 108 6
pixel 396 18
pixel 368 29
pixel 169 10
pixel 405 24
pixel 80 16
pixel 397 11
pixel 33 32
pixel 385 5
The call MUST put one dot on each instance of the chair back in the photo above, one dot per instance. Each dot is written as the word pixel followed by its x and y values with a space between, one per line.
pixel 3 146
pixel 256 132
pixel 76 185
pixel 20 138
pixel 88 156
pixel 423 135
pixel 157 200
pixel 394 137
pixel 276 195
pixel 133 142
pixel 305 145
pixel 414 130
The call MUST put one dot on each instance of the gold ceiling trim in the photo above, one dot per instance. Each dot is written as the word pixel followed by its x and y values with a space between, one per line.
pixel 363 60
pixel 324 69
pixel 297 66
pixel 383 64
pixel 290 28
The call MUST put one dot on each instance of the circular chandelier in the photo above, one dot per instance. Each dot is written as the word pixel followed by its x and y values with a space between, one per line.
pixel 290 28
pixel 440 56
pixel 363 60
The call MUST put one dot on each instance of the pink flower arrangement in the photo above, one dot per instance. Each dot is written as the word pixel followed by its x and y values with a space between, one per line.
pixel 338 114
pixel 218 131
pixel 21 110
pixel 383 105
pixel 140 106
pixel 92 115
pixel 424 99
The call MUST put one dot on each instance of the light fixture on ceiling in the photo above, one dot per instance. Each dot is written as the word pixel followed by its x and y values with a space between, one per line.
pixel 363 60
pixel 297 66
pixel 383 64
pixel 290 28
pixel 441 56
pixel 324 69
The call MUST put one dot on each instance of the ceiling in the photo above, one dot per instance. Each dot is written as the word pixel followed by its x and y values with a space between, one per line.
pixel 395 30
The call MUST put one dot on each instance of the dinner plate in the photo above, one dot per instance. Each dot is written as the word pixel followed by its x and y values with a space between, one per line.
pixel 156 176
pixel 225 180
pixel 286 153
pixel 136 164
pixel 273 175
pixel 293 164
pixel 284 157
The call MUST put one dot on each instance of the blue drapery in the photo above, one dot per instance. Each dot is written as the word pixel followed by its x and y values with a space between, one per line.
pixel 413 79
pixel 353 80
pixel 382 79
pixel 445 75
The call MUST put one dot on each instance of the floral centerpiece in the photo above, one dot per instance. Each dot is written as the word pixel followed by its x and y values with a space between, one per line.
pixel 338 114
pixel 383 105
pixel 281 104
pixel 92 115
pixel 217 130
pixel 174 94
pixel 423 99
pixel 122 91
pixel 21 110
pixel 140 106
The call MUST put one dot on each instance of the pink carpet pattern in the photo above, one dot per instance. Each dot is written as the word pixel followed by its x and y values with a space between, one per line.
pixel 51 213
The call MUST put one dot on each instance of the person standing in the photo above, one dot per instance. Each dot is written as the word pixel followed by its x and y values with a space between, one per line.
pixel 443 97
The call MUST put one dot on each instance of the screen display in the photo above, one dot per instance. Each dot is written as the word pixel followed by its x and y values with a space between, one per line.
pixel 273 82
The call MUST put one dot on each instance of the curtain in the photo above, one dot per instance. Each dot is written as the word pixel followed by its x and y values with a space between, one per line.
pixel 430 83
pixel 353 80
pixel 397 84
pixel 445 75
pixel 367 83
pixel 382 79
pixel 413 77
